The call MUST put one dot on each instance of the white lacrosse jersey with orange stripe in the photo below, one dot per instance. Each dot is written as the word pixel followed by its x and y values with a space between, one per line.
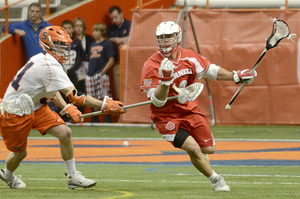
pixel 41 77
pixel 189 66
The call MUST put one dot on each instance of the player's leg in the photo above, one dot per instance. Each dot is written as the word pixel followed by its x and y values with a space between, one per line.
pixel 51 123
pixel 75 179
pixel 186 142
pixel 64 135
pixel 12 162
pixel 14 131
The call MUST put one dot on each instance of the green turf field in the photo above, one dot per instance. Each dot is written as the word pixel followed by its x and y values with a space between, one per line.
pixel 159 181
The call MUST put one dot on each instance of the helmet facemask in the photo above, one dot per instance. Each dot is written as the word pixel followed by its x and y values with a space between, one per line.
pixel 167 43
pixel 57 42
pixel 168 37
pixel 62 50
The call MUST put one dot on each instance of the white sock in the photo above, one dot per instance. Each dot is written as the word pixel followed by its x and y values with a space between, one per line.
pixel 212 177
pixel 70 166
pixel 9 174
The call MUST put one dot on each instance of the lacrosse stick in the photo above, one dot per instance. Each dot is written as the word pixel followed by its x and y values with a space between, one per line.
pixel 189 93
pixel 124 107
pixel 280 31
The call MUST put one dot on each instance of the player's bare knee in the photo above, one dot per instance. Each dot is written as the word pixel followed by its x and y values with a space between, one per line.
pixel 66 135
pixel 208 150
pixel 20 155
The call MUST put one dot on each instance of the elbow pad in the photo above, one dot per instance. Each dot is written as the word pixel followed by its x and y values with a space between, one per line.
pixel 156 102
pixel 75 99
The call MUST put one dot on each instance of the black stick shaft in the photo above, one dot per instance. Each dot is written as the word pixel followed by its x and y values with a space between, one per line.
pixel 228 106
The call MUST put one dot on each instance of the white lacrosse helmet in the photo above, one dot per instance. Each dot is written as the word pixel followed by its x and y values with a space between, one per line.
pixel 168 37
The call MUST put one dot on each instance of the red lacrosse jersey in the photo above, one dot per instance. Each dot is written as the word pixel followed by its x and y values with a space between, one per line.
pixel 189 66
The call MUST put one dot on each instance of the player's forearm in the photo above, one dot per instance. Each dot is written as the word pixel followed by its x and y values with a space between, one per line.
pixel 161 92
pixel 59 101
pixel 224 75
pixel 93 102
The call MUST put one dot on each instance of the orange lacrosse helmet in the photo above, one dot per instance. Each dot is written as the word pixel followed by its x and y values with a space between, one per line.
pixel 56 41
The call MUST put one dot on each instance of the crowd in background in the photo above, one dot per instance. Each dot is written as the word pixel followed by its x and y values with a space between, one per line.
pixel 92 57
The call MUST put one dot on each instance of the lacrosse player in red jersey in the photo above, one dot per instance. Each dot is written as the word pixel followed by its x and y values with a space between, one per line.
pixel 24 107
pixel 172 71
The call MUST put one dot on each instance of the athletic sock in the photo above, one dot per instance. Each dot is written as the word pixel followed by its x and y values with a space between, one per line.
pixel 212 177
pixel 9 174
pixel 70 166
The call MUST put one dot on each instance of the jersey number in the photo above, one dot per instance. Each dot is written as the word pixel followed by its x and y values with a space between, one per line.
pixel 15 82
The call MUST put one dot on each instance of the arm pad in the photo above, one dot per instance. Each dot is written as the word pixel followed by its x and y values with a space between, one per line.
pixel 75 99
pixel 156 102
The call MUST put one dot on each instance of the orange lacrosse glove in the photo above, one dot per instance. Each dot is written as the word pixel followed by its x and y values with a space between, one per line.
pixel 111 107
pixel 73 113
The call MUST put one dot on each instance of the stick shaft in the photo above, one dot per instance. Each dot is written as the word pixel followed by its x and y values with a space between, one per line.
pixel 228 106
pixel 124 107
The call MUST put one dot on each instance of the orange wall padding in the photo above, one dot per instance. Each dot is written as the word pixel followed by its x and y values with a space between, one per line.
pixel 13 56
pixel 233 40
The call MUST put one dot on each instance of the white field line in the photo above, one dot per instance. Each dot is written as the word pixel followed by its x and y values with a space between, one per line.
pixel 170 181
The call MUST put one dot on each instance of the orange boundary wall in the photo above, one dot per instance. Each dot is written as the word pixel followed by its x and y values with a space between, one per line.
pixel 271 99
pixel 12 53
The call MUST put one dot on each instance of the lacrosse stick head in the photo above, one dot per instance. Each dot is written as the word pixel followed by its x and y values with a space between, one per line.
pixel 280 31
pixel 189 93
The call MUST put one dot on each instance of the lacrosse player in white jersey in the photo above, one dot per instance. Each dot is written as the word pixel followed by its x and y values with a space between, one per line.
pixel 172 71
pixel 24 107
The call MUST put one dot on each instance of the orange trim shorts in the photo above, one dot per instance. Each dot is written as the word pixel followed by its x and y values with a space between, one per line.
pixel 15 129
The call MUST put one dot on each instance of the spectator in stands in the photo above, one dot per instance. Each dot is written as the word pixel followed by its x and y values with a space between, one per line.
pixel 76 53
pixel 118 34
pixel 30 29
pixel 85 40
pixel 101 59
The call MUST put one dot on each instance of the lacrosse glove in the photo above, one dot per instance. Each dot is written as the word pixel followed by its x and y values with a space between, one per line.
pixel 111 107
pixel 244 76
pixel 73 113
pixel 166 72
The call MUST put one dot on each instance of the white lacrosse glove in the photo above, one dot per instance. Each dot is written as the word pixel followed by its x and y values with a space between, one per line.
pixel 189 93
pixel 166 72
pixel 21 105
pixel 242 76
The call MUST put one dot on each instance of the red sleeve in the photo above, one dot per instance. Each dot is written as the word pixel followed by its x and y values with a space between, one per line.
pixel 150 75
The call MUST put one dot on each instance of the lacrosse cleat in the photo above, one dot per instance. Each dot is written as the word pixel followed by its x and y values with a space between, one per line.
pixel 220 184
pixel 15 183
pixel 77 180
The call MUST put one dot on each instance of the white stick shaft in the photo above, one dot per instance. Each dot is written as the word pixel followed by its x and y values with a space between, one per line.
pixel 124 107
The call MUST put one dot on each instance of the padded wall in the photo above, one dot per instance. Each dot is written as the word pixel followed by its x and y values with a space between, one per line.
pixel 233 40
